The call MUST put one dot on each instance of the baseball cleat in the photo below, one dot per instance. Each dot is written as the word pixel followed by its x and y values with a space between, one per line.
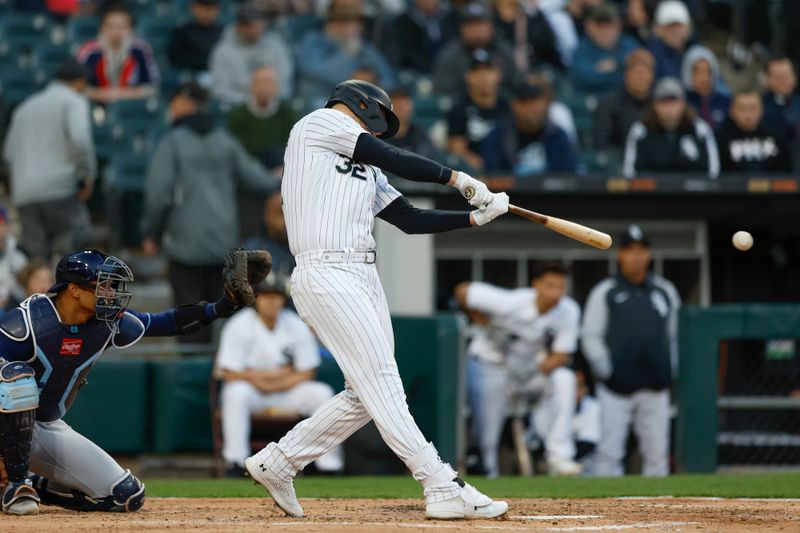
pixel 469 504
pixel 282 492
pixel 20 498
pixel 557 466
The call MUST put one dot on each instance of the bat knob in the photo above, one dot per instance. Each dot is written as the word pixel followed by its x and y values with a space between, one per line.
pixel 469 192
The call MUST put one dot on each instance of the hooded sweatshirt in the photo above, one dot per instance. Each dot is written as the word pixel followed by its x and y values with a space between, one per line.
pixel 190 190
pixel 232 61
pixel 714 107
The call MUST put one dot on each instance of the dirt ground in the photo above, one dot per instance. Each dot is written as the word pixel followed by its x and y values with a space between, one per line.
pixel 362 516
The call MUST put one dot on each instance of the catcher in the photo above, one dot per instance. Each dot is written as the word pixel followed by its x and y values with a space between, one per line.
pixel 48 345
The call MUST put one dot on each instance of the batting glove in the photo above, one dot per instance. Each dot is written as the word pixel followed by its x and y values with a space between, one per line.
pixel 498 205
pixel 473 190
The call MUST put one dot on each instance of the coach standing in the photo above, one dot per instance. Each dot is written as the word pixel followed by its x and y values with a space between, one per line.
pixel 51 159
pixel 629 337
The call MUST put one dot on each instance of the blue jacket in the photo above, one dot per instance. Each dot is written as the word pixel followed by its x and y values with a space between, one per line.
pixel 668 61
pixel 718 105
pixel 549 152
pixel 782 113
pixel 584 72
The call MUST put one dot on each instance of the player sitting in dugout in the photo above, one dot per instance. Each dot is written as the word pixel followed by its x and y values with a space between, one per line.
pixel 267 357
pixel 48 346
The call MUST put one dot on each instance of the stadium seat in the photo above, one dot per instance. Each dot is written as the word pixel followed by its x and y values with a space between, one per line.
pixel 126 173
pixel 81 30
pixel 48 57
pixel 600 161
pixel 156 31
pixel 23 31
pixel 18 84
pixel 134 116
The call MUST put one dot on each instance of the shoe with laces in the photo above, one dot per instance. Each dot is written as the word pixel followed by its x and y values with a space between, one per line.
pixel 468 505
pixel 20 498
pixel 281 491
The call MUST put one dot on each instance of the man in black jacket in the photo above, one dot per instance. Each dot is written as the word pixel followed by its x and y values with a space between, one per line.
pixel 747 142
pixel 629 338
pixel 415 37
pixel 190 45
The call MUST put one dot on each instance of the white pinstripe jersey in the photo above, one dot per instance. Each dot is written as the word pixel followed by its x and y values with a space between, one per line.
pixel 329 200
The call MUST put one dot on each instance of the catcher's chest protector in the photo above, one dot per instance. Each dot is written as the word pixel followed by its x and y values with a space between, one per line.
pixel 64 355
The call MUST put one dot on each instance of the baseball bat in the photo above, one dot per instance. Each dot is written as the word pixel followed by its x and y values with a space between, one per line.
pixel 570 229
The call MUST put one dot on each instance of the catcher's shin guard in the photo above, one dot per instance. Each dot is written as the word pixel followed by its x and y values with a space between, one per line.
pixel 127 495
pixel 19 398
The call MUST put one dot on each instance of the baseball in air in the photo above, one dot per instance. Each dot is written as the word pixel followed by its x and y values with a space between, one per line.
pixel 742 240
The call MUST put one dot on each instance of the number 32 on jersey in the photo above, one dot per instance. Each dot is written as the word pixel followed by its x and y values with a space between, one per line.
pixel 348 166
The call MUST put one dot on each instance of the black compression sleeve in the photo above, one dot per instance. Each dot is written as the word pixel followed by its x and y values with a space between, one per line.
pixel 409 219
pixel 373 151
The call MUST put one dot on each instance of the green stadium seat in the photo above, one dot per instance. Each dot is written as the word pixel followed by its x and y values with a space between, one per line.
pixel 23 31
pixel 600 161
pixel 81 30
pixel 127 172
pixel 16 85
pixel 156 31
pixel 48 57
pixel 134 116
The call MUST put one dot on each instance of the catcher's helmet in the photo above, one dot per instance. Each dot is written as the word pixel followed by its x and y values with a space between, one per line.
pixel 105 274
pixel 370 103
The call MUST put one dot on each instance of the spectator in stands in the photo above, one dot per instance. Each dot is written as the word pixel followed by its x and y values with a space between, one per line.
pixel 519 358
pixel 638 14
pixel 273 236
pixel 50 155
pixel 414 39
pixel 262 126
pixel 268 358
pixel 122 65
pixel 670 137
pixel 616 112
pixel 475 33
pixel 600 57
pixel 560 19
pixel 409 136
pixel 527 31
pixel 701 78
pixel 35 277
pixel 190 45
pixel 629 337
pixel 748 143
pixel 12 261
pixel 263 123
pixel 190 198
pixel 328 57
pixel 781 101
pixel 474 116
pixel 529 143
pixel 673 32
pixel 244 46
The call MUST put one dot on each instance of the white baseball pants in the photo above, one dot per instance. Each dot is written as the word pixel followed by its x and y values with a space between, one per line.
pixel 648 410
pixel 345 306
pixel 240 399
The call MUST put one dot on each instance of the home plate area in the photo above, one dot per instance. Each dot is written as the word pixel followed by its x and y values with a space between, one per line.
pixel 339 515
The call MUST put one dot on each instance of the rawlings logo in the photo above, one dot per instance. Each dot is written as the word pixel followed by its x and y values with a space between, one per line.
pixel 71 346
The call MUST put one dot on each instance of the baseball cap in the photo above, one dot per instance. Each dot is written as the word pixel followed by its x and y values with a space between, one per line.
pixel 481 58
pixel 529 91
pixel 272 283
pixel 191 90
pixel 475 11
pixel 633 234
pixel 248 13
pixel 602 13
pixel 672 12
pixel 667 88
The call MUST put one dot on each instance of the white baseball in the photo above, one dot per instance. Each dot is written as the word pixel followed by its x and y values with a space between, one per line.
pixel 742 240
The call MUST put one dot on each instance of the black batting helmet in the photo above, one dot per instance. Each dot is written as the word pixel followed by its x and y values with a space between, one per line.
pixel 370 103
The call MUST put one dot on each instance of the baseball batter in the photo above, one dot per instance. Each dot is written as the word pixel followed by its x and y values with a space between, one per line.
pixel 333 188
pixel 48 346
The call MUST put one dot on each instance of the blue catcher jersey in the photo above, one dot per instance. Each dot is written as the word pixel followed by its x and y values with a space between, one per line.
pixel 63 354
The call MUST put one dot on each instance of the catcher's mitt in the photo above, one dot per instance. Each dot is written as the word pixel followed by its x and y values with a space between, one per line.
pixel 242 270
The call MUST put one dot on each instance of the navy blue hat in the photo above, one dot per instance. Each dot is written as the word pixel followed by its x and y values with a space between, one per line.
pixel 633 234
pixel 78 267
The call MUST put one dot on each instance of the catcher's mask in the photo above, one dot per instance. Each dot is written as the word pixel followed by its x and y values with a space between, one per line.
pixel 107 275
pixel 370 103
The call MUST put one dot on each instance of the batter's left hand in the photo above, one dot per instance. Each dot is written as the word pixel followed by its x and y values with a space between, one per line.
pixel 498 205
pixel 473 190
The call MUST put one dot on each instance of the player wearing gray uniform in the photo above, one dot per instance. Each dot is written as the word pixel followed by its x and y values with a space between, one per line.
pixel 629 337
pixel 332 189
pixel 541 325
